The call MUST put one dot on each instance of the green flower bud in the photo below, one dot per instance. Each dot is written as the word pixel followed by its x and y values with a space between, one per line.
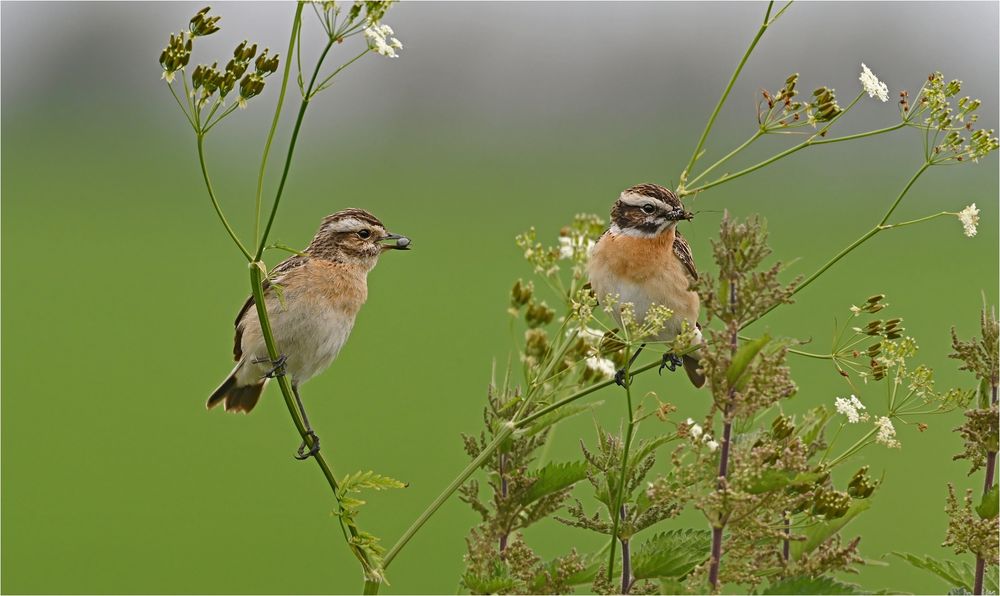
pixel 861 486
pixel 201 24
pixel 538 314
pixel 782 427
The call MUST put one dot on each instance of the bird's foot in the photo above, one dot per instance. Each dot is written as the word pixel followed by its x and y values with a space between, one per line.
pixel 620 377
pixel 277 366
pixel 304 451
pixel 670 362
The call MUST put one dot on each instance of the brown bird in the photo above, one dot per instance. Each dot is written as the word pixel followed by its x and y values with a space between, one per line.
pixel 312 300
pixel 644 260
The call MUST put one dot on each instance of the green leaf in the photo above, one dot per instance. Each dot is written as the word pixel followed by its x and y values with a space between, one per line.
pixel 368 480
pixel 985 394
pixel 735 376
pixel 811 585
pixel 555 416
pixel 953 573
pixel 589 572
pixel 671 554
pixel 552 479
pixel 818 534
pixel 990 505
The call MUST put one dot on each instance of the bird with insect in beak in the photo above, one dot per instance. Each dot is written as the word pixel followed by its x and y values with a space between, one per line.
pixel 643 259
pixel 312 299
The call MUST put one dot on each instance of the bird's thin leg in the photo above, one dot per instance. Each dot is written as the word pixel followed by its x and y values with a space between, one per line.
pixel 670 362
pixel 305 451
pixel 620 375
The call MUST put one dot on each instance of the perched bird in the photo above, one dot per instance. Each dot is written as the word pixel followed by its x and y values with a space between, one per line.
pixel 644 260
pixel 312 299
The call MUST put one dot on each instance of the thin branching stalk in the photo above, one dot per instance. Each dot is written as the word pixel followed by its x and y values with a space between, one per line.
pixel 729 87
pixel 626 558
pixel 215 201
pixel 294 39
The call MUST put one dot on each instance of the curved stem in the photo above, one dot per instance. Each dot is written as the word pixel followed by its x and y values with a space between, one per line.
pixel 436 504
pixel 286 392
pixel 291 151
pixel 725 93
pixel 215 201
pixel 296 29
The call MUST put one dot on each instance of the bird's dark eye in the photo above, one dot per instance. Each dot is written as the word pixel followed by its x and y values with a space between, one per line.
pixel 364 234
pixel 647 208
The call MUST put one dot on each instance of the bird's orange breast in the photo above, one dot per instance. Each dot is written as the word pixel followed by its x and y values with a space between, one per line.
pixel 635 259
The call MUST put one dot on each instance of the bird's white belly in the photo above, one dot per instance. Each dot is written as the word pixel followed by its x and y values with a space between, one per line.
pixel 641 299
pixel 310 335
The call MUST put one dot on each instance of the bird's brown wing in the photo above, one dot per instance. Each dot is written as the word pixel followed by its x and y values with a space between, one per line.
pixel 683 252
pixel 275 274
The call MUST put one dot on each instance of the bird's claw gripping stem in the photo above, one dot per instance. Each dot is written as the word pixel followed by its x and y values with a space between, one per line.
pixel 670 362
pixel 278 366
pixel 304 451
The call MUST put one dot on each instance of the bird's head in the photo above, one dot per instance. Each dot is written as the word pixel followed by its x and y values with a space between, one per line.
pixel 354 236
pixel 646 211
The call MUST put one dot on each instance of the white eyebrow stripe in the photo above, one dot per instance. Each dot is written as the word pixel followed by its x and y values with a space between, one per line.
pixel 348 224
pixel 637 200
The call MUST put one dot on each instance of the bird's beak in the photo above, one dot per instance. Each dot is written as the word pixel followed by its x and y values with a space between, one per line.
pixel 402 242
pixel 680 214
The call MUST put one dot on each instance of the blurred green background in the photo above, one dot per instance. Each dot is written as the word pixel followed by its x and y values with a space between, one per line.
pixel 119 286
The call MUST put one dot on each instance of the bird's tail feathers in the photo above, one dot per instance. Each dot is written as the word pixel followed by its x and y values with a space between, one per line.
pixel 237 398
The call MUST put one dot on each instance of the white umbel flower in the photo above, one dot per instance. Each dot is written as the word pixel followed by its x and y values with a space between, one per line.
pixel 872 85
pixel 886 433
pixel 380 40
pixel 601 365
pixel 970 219
pixel 712 445
pixel 851 408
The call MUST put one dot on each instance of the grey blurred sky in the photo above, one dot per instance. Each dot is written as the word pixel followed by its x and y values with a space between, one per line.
pixel 519 64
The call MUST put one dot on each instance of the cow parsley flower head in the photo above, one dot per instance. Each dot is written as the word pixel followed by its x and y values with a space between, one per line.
pixel 712 445
pixel 694 430
pixel 886 433
pixel 872 85
pixel 970 219
pixel 380 40
pixel 851 408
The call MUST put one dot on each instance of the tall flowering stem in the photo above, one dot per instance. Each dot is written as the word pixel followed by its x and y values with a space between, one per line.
pixel 768 20
pixel 982 435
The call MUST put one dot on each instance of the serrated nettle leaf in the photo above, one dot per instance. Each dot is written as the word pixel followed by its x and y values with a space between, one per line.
pixel 736 375
pixel 811 585
pixel 553 478
pixel 818 534
pixel 953 573
pixel 990 505
pixel 671 554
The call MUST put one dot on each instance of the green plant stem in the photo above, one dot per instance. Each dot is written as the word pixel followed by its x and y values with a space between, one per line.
pixel 861 135
pixel 725 93
pixel 624 471
pixel 296 28
pixel 505 432
pixel 806 143
pixel 215 201
pixel 291 151
pixel 991 463
pixel 286 392
pixel 728 156
pixel 843 253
